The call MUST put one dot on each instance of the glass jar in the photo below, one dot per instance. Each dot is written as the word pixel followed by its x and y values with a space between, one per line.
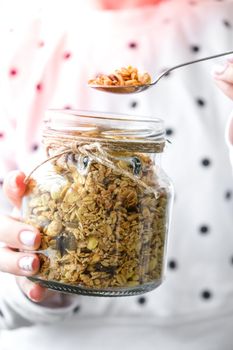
pixel 102 203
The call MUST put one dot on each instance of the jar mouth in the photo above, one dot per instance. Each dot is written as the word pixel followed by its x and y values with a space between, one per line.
pixel 106 125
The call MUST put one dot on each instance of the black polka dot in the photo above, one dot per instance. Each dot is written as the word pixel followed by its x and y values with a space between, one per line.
pixel 133 104
pixel 204 229
pixel 195 48
pixel 228 194
pixel 1 134
pixel 200 102
pixel 172 264
pixel 35 147
pixel 206 294
pixel 76 309
pixel 206 162
pixel 1 314
pixel 141 300
pixel 192 2
pixel 169 132
pixel 1 182
pixel 226 23
pixel 133 45
pixel 231 260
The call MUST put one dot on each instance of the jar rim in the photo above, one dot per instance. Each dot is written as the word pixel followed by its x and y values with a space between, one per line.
pixel 109 125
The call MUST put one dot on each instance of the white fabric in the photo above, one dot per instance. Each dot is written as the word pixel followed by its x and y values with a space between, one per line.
pixel 19 311
pixel 175 316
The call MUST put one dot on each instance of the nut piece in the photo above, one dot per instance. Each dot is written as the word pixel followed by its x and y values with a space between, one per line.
pixel 92 243
pixel 54 228
pixel 128 76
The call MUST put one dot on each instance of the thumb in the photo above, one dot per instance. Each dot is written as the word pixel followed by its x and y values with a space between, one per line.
pixel 14 187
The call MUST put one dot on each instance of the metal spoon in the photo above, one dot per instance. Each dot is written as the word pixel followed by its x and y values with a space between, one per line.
pixel 139 88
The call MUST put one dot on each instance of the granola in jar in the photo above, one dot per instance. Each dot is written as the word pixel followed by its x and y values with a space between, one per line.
pixel 102 204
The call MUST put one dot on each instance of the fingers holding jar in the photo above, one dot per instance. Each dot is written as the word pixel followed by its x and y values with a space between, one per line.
pixel 17 263
pixel 17 235
pixel 33 291
pixel 19 239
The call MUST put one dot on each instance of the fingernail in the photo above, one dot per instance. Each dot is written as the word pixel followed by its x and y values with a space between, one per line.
pixel 33 295
pixel 27 238
pixel 30 295
pixel 26 262
pixel 219 69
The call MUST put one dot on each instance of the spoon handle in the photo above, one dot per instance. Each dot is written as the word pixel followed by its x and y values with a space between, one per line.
pixel 190 62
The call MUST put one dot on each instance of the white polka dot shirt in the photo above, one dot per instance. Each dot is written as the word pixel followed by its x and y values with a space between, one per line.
pixel 47 64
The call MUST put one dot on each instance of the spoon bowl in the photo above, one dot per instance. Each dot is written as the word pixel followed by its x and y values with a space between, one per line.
pixel 115 89
pixel 132 89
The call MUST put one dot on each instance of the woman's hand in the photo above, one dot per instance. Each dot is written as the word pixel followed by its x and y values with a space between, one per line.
pixel 223 76
pixel 17 236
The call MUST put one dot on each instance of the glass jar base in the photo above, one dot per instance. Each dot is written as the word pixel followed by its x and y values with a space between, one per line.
pixel 109 292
